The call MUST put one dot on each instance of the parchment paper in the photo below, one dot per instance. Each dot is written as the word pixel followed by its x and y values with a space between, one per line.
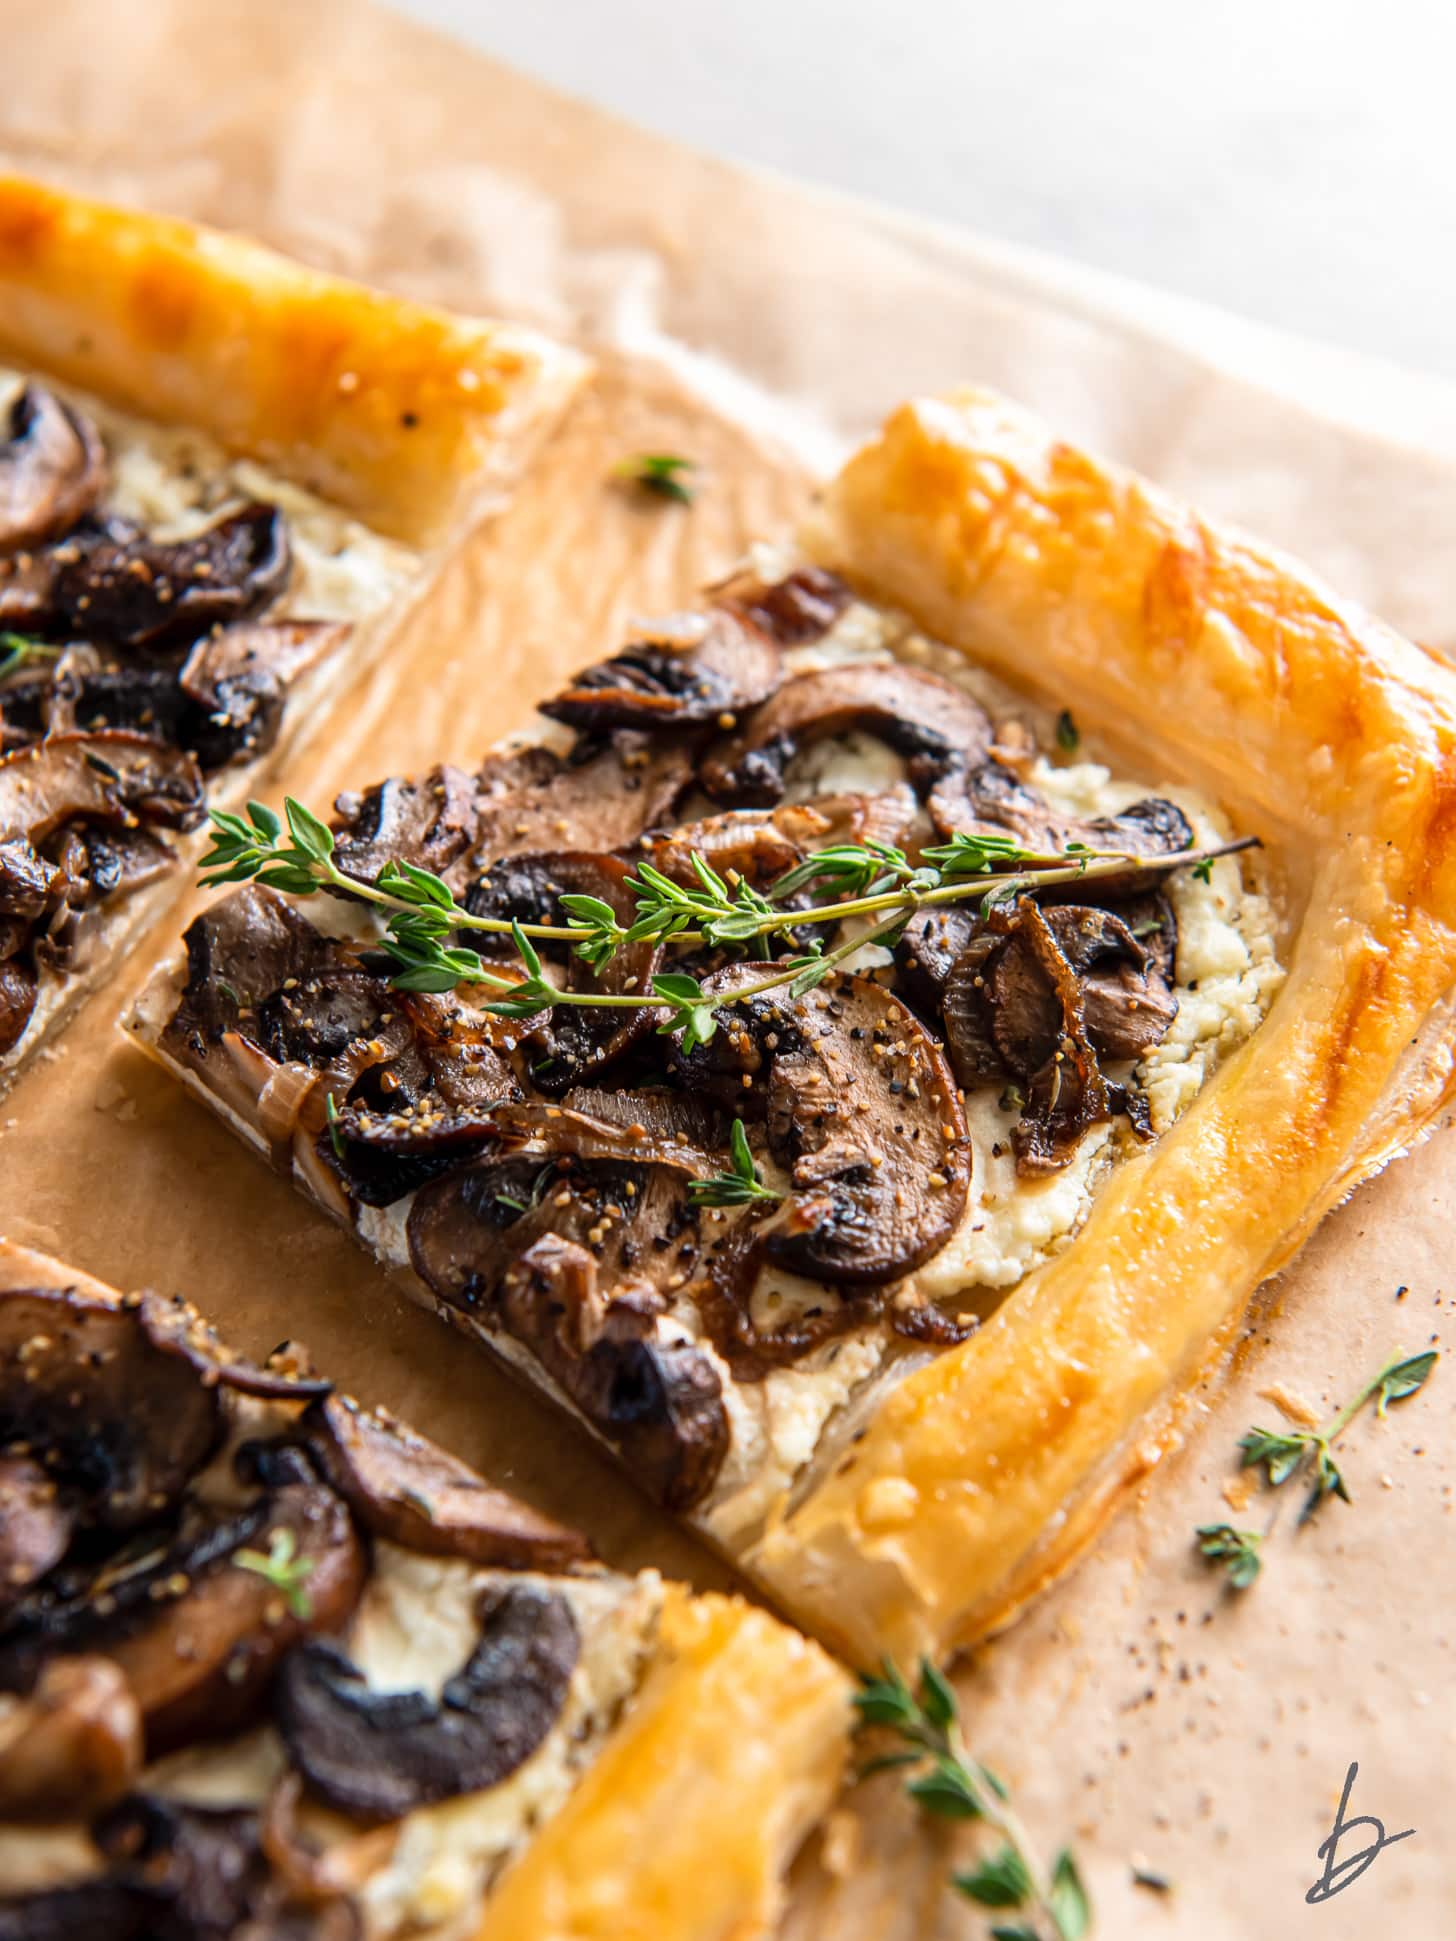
pixel 1139 1711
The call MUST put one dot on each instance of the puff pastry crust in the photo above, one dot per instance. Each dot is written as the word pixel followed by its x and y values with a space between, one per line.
pixel 982 1474
pixel 685 1823
pixel 394 410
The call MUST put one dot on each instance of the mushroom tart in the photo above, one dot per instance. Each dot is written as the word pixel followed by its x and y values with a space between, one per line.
pixel 735 1054
pixel 201 549
pixel 272 1663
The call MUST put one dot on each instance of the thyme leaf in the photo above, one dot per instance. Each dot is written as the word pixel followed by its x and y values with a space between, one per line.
pixel 660 473
pixel 284 1569
pixel 740 1185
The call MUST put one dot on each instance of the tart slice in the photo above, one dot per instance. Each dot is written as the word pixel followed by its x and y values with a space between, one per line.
pixel 271 1663
pixel 227 482
pixel 857 1057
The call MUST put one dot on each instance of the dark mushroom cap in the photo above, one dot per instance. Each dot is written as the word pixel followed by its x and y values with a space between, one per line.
pixel 119 587
pixel 572 1044
pixel 380 1755
pixel 236 681
pixel 860 1107
pixel 931 722
pixel 429 822
pixel 795 610
pixel 1127 1008
pixel 52 469
pixel 116 1412
pixel 599 798
pixel 110 778
pixel 721 666
pixel 405 1488
pixel 988 796
pixel 18 992
pixel 572 1257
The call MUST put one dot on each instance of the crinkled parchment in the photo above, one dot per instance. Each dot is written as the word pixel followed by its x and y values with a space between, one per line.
pixel 1139 1710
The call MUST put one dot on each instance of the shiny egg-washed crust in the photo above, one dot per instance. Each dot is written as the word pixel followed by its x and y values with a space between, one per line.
pixel 685 1823
pixel 985 1472
pixel 404 415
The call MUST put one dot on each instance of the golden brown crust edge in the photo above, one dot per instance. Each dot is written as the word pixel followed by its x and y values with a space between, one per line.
pixel 985 1472
pixel 391 409
pixel 684 1827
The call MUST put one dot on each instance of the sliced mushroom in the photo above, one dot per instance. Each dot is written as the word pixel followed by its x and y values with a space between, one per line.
pixel 572 1044
pixel 119 587
pixel 599 798
pixel 405 1488
pixel 18 992
pixel 571 1259
pixel 237 680
pixel 381 1755
pixel 726 664
pixel 72 1744
pixel 429 822
pixel 27 880
pixel 35 1525
pixel 860 1107
pixel 797 609
pixel 203 1873
pixel 1126 1006
pixel 117 1414
pixel 111 778
pixel 52 469
pixel 932 723
pixel 82 1911
pixel 987 795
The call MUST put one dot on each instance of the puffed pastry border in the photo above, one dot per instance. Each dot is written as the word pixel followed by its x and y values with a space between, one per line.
pixel 407 416
pixel 1207 658
pixel 414 420
pixel 685 1824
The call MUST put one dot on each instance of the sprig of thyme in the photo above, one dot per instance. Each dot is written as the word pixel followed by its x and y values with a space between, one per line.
pixel 945 1779
pixel 18 650
pixel 741 1185
pixel 284 1569
pixel 1285 1453
pixel 660 473
pixel 423 914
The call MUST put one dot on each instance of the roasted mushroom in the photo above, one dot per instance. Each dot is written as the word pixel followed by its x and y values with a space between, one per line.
pixel 18 992
pixel 117 1412
pixel 859 1107
pixel 71 1744
pixel 429 822
pixel 118 587
pixel 380 1755
pixel 236 681
pixel 794 610
pixel 52 469
pixel 569 1256
pixel 599 798
pixel 407 1489
pixel 714 666
pixel 1126 1006
pixel 109 778
pixel 933 724
pixel 987 795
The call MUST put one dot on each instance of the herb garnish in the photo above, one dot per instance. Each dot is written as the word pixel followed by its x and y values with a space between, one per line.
pixel 331 1113
pixel 1284 1453
pixel 1238 1550
pixel 659 472
pixel 881 882
pixel 18 650
pixel 1069 736
pixel 738 1187
pixel 946 1780
pixel 284 1570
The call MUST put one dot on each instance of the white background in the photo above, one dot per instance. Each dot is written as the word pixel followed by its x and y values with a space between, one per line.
pixel 1294 160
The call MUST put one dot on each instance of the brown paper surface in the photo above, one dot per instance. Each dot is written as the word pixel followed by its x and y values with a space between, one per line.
pixel 1139 1711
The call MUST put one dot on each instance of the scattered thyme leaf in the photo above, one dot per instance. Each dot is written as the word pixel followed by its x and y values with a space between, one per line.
pixel 660 473
pixel 283 1569
pixel 1237 1550
pixel 739 1186
pixel 331 1113
pixel 1069 738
